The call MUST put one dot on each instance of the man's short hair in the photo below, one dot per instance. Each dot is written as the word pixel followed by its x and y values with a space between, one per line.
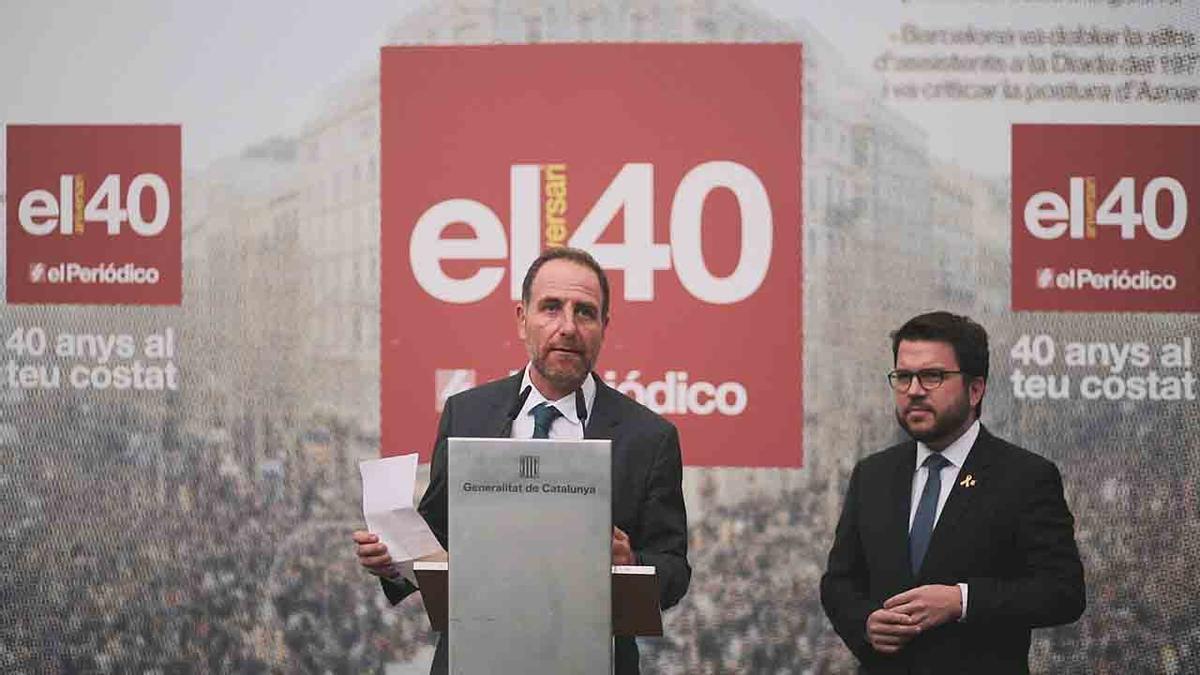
pixel 968 339
pixel 575 255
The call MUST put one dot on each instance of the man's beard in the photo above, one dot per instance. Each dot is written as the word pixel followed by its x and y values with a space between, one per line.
pixel 562 378
pixel 945 423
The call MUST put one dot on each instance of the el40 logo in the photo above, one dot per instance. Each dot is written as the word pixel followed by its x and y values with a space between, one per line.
pixel 638 256
pixel 1049 216
pixel 40 213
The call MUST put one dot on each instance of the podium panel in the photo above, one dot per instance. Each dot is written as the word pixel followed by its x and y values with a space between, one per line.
pixel 530 534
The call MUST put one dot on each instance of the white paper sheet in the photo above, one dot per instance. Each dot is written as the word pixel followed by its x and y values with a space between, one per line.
pixel 388 486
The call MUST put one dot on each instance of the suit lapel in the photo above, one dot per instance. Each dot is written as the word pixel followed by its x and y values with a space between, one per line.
pixel 602 419
pixel 959 501
pixel 499 424
pixel 900 505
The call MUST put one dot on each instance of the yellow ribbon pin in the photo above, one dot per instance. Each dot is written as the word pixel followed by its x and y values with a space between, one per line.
pixel 968 481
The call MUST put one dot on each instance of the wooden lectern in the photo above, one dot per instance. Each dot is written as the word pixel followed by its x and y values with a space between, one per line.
pixel 635 611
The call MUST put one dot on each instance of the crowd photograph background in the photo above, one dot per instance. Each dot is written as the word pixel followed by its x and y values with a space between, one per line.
pixel 206 529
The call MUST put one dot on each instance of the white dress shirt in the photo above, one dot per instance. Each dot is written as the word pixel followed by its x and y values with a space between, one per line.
pixel 567 427
pixel 956 453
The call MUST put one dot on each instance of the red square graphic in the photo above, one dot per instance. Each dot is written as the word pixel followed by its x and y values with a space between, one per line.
pixel 677 166
pixel 93 215
pixel 1101 219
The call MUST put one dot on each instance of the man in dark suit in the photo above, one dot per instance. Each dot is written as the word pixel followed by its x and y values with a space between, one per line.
pixel 562 318
pixel 953 546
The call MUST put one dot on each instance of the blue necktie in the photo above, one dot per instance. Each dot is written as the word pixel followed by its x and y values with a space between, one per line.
pixel 544 415
pixel 922 527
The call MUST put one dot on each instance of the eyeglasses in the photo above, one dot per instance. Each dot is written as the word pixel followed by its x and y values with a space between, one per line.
pixel 930 378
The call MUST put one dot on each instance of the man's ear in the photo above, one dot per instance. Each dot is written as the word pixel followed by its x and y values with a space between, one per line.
pixel 976 390
pixel 521 320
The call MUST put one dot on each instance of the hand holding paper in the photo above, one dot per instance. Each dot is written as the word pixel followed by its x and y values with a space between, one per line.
pixel 388 486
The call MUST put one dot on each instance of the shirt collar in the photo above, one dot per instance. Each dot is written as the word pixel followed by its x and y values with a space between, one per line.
pixel 566 404
pixel 956 452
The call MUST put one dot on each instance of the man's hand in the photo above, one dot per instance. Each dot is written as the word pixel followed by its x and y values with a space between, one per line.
pixel 928 606
pixel 889 631
pixel 372 555
pixel 622 553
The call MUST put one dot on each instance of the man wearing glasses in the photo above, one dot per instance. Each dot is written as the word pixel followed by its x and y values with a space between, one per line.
pixel 951 547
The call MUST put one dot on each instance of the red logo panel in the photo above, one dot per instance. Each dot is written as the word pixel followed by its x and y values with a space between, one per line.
pixel 1103 218
pixel 93 215
pixel 677 166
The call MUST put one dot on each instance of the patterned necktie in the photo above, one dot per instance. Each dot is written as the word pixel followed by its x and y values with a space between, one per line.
pixel 544 415
pixel 922 527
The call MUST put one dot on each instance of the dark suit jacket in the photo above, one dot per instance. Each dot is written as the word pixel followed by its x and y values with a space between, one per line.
pixel 647 475
pixel 1010 537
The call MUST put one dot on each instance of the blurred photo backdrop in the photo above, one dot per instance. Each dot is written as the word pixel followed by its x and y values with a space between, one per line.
pixel 223 287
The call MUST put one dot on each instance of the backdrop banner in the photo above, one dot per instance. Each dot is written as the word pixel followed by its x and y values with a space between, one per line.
pixel 677 166
pixel 247 245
